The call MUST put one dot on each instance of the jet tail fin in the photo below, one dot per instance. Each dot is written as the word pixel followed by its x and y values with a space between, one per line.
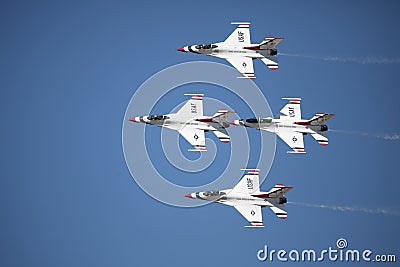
pixel 277 191
pixel 320 119
pixel 269 42
pixel 222 117
pixel 279 208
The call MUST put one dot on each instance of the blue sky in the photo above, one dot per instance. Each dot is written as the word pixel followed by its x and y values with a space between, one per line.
pixel 69 70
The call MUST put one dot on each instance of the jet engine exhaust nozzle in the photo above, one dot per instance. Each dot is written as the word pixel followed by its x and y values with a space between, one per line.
pixel 324 128
pixel 282 200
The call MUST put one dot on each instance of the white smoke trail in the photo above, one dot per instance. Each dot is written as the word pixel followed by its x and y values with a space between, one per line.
pixel 385 136
pixel 359 60
pixel 347 208
pixel 391 137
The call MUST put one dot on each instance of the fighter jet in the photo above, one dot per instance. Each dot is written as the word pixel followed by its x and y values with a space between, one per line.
pixel 238 50
pixel 191 124
pixel 247 198
pixel 290 127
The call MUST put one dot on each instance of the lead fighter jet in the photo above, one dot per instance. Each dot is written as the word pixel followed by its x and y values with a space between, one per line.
pixel 238 50
pixel 247 198
pixel 290 127
pixel 191 124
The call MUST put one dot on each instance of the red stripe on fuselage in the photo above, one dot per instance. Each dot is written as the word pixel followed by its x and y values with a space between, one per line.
pixel 204 120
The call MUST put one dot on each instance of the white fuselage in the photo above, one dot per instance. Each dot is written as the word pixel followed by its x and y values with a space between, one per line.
pixel 175 122
pixel 223 50
pixel 279 125
pixel 233 199
pixel 226 51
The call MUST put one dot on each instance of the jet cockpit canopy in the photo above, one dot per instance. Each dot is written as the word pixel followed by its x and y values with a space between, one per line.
pixel 156 117
pixel 206 46
pixel 259 120
pixel 213 193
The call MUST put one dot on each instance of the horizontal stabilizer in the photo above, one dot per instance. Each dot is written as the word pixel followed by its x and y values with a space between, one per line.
pixel 222 135
pixel 321 138
pixel 279 210
pixel 271 62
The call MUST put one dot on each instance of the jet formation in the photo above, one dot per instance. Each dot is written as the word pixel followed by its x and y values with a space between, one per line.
pixel 239 51
pixel 247 198
pixel 290 127
pixel 191 124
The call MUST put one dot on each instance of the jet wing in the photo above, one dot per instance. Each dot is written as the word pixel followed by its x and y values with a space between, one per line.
pixel 244 65
pixel 192 108
pixel 240 36
pixel 195 137
pixel 252 213
pixel 294 140
pixel 249 184
pixel 291 111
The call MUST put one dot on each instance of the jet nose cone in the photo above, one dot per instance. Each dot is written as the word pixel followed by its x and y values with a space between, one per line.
pixel 181 49
pixel 189 195
pixel 133 119
pixel 235 122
